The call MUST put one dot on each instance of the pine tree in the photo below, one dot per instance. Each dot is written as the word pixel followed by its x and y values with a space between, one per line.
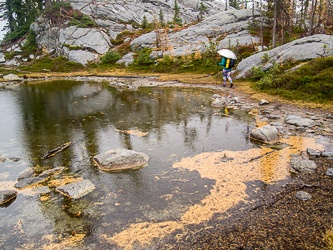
pixel 203 9
pixel 144 23
pixel 176 18
pixel 161 18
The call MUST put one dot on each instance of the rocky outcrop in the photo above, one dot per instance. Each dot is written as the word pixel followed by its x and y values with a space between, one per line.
pixel 134 10
pixel 119 159
pixel 299 50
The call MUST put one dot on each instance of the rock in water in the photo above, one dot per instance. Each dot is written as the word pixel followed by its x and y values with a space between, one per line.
pixel 28 173
pixel 120 158
pixel 267 133
pixel 76 189
pixel 30 181
pixel 302 165
pixel 7 195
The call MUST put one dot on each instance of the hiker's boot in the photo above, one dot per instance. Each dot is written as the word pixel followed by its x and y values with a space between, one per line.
pixel 224 85
pixel 231 84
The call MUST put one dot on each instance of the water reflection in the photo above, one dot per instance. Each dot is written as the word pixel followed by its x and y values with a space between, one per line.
pixel 179 122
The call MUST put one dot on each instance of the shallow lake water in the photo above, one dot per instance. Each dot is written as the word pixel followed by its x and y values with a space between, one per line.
pixel 181 124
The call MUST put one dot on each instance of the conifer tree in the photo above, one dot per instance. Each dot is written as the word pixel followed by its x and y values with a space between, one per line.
pixel 203 9
pixel 176 18
pixel 144 23
pixel 161 18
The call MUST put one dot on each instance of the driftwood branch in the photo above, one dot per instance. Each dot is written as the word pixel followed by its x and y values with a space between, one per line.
pixel 258 157
pixel 286 192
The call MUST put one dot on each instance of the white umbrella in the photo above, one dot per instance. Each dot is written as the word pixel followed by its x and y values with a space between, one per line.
pixel 227 53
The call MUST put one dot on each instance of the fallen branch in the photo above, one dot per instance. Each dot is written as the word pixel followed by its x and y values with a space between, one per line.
pixel 258 157
pixel 286 192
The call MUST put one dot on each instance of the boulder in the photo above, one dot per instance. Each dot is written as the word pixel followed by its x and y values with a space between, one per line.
pixel 127 59
pixel 302 165
pixel 303 49
pixel 31 181
pixel 7 195
pixel 28 173
pixel 266 133
pixel 299 121
pixel 119 159
pixel 219 102
pixel 263 102
pixel 76 189
pixel 303 196
pixel 12 77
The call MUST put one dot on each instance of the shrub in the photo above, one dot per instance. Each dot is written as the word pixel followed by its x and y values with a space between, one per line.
pixel 143 58
pixel 82 21
pixel 111 57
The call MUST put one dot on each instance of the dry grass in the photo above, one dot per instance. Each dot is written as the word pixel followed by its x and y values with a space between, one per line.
pixel 329 239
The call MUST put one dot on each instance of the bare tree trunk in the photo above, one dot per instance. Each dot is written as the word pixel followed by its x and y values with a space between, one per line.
pixel 261 27
pixel 48 4
pixel 274 24
pixel 313 11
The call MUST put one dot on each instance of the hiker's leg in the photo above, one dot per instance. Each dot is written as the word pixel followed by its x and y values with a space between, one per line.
pixel 224 77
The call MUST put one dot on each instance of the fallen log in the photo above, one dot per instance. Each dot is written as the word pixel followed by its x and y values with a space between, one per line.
pixel 55 151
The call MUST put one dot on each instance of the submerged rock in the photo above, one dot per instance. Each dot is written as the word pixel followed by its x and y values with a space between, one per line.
pixel 302 165
pixel 31 181
pixel 53 170
pixel 267 133
pixel 41 190
pixel 7 195
pixel 304 196
pixel 28 173
pixel 120 158
pixel 76 189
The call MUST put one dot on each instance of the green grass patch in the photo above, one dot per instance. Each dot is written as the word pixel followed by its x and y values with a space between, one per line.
pixel 58 64
pixel 6 71
pixel 73 47
pixel 82 21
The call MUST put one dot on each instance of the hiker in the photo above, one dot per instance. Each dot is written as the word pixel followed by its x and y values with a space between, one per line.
pixel 227 64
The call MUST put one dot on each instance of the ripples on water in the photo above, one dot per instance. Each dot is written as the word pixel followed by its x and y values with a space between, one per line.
pixel 180 122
